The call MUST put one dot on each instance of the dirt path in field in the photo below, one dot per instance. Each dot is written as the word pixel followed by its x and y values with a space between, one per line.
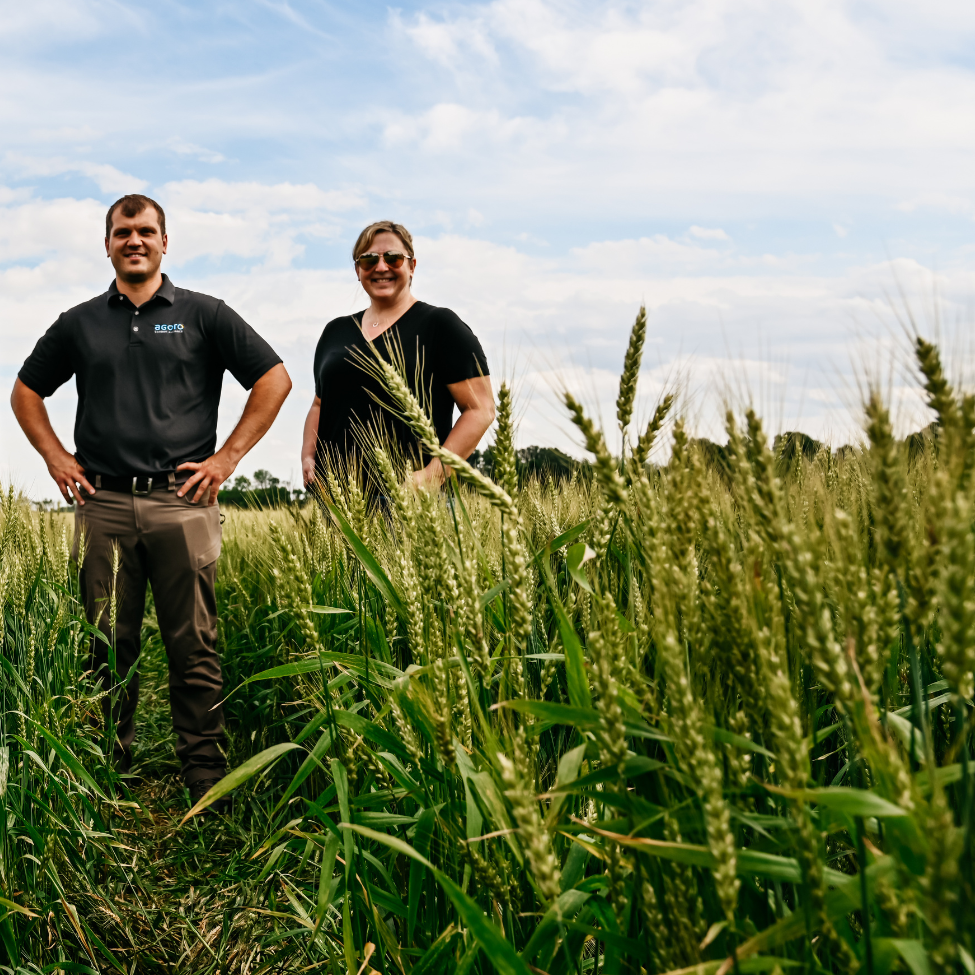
pixel 193 898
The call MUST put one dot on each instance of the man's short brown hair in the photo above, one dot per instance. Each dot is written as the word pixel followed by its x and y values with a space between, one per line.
pixel 379 227
pixel 131 205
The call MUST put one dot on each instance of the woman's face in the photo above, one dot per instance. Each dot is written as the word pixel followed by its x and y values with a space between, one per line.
pixel 382 282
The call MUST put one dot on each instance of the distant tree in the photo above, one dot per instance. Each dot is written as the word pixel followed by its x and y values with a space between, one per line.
pixel 540 462
pixel 242 483
pixel 788 446
pixel 483 460
pixel 262 478
pixel 544 462
pixel 715 457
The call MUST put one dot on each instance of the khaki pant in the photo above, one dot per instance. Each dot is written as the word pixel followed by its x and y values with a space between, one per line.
pixel 173 545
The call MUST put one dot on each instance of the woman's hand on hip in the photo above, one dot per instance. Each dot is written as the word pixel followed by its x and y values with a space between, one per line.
pixel 430 477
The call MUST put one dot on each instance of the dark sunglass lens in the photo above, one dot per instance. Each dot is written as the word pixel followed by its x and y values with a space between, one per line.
pixel 367 260
pixel 394 259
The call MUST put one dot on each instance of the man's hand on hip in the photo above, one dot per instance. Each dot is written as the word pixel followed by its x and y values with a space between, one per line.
pixel 31 413
pixel 209 474
pixel 69 476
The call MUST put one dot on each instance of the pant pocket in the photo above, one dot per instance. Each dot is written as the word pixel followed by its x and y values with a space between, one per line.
pixel 203 536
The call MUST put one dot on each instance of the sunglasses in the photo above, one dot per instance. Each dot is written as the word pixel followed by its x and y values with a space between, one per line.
pixel 393 259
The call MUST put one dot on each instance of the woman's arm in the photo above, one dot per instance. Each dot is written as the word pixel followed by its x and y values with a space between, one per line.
pixel 475 400
pixel 309 442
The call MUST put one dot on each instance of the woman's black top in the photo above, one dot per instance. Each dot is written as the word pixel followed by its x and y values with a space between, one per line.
pixel 437 347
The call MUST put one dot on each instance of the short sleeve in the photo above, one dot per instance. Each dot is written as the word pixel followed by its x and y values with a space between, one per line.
pixel 50 365
pixel 241 350
pixel 459 353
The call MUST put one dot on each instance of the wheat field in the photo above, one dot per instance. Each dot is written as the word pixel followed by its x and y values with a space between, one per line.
pixel 713 716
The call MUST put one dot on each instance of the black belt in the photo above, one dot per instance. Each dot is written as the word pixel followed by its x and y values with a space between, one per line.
pixel 139 483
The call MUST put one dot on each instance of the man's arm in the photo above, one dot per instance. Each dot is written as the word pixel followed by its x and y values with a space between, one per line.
pixel 32 416
pixel 262 406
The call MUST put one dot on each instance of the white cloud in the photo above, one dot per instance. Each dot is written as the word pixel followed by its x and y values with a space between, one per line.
pixel 106 177
pixel 53 18
pixel 593 49
pixel 31 228
pixel 703 111
pixel 661 253
pixel 446 43
pixel 64 133
pixel 679 105
pixel 10 194
pixel 215 218
pixel 708 233
pixel 449 127
pixel 945 202
pixel 183 148
pixel 218 195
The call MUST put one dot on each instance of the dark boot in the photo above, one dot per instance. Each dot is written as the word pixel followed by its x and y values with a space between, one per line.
pixel 201 787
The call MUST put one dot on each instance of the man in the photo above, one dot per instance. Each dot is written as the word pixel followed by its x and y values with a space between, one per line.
pixel 148 360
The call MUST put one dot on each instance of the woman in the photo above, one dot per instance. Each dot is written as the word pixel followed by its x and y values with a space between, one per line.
pixel 436 346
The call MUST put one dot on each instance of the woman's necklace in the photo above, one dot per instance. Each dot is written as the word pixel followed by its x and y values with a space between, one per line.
pixel 380 324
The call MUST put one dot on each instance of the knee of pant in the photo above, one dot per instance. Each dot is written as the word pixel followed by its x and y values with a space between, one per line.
pixel 200 667
pixel 190 632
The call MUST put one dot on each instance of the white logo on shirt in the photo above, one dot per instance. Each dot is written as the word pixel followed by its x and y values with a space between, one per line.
pixel 169 328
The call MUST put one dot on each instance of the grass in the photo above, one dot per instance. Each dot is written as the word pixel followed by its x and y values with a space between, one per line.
pixel 713 716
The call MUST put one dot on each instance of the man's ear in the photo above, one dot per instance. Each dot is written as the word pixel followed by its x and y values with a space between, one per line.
pixel 107 254
pixel 165 242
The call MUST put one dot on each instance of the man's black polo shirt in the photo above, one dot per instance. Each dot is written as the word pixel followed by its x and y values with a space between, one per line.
pixel 148 378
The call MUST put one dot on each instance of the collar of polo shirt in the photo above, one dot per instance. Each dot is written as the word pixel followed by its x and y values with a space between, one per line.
pixel 167 291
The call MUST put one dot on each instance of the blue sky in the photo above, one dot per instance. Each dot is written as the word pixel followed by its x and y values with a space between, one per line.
pixel 765 174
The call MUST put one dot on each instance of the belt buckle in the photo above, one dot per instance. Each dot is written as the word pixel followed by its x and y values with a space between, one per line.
pixel 135 486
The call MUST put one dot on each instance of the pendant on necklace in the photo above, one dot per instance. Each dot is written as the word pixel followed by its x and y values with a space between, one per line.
pixel 375 324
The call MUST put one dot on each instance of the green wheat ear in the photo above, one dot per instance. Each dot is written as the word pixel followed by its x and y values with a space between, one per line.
pixel 607 471
pixel 631 371
pixel 505 462
pixel 940 395
pixel 646 441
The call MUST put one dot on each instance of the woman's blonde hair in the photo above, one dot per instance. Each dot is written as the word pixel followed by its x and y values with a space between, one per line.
pixel 382 226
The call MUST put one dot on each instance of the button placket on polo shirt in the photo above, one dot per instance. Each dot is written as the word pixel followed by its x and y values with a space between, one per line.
pixel 135 332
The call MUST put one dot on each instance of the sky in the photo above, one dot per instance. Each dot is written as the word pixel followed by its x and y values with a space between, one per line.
pixel 787 187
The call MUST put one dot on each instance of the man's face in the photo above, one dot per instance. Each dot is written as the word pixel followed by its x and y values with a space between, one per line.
pixel 136 245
